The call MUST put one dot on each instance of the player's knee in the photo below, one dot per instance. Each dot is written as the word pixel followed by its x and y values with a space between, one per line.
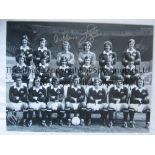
pixel 68 105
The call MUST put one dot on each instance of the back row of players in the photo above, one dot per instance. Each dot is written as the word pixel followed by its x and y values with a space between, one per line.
pixel 47 94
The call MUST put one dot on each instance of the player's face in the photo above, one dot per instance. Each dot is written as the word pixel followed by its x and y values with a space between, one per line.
pixel 65 47
pixel 107 47
pixel 119 83
pixel 24 42
pixel 76 82
pixel 42 43
pixel 37 83
pixel 21 60
pixel 55 84
pixel 87 47
pixel 140 83
pixel 97 84
pixel 18 82
pixel 64 63
pixel 43 61
pixel 87 61
pixel 131 63
pixel 131 44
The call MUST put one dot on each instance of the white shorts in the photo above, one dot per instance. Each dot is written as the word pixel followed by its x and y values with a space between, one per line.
pixel 75 106
pixel 55 105
pixel 37 105
pixel 17 106
pixel 96 106
pixel 140 107
pixel 118 106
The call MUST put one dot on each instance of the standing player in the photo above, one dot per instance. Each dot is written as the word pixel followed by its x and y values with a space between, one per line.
pixel 139 102
pixel 86 47
pixel 97 101
pixel 64 72
pixel 118 100
pixel 131 54
pixel 66 53
pixel 18 96
pixel 25 50
pixel 55 101
pixel 21 69
pixel 41 52
pixel 37 101
pixel 75 101
pixel 86 72
pixel 107 54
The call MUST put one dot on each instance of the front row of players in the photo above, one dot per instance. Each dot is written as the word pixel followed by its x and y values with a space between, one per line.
pixel 43 103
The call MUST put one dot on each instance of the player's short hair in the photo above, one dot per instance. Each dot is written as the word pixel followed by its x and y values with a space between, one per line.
pixel 97 79
pixel 131 40
pixel 107 43
pixel 66 43
pixel 140 78
pixel 86 58
pixel 26 38
pixel 87 42
pixel 118 77
pixel 55 79
pixel 42 39
pixel 38 79
pixel 20 56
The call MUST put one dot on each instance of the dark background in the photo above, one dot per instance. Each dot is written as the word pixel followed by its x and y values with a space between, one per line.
pixel 97 33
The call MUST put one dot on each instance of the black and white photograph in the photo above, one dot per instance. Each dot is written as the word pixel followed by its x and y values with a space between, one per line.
pixel 78 77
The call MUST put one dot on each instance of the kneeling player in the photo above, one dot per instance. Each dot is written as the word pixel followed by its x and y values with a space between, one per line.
pixel 139 102
pixel 37 98
pixel 55 96
pixel 118 98
pixel 75 101
pixel 97 101
pixel 18 96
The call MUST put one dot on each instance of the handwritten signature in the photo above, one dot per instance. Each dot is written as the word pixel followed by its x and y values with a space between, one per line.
pixel 89 35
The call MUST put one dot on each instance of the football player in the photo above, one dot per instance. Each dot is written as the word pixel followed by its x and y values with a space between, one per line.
pixel 97 101
pixel 86 47
pixel 65 53
pixel 20 69
pixel 107 54
pixel 25 50
pixel 41 52
pixel 18 96
pixel 75 101
pixel 139 102
pixel 64 72
pixel 37 101
pixel 118 100
pixel 131 54
pixel 55 101
pixel 86 72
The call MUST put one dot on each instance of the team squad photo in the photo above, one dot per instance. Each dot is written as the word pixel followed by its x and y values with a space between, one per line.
pixel 78 77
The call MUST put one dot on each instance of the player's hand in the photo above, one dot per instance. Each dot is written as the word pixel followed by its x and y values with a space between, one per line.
pixel 35 98
pixel 91 98
pixel 139 99
pixel 17 98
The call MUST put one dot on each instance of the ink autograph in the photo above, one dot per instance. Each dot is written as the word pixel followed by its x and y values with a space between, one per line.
pixel 90 34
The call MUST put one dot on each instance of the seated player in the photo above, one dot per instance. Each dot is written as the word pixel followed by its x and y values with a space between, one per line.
pixel 75 101
pixel 25 50
pixel 118 100
pixel 18 96
pixel 43 71
pixel 107 72
pixel 107 54
pixel 86 72
pixel 139 102
pixel 64 72
pixel 41 52
pixel 21 69
pixel 55 101
pixel 131 54
pixel 65 53
pixel 130 73
pixel 97 101
pixel 86 47
pixel 37 102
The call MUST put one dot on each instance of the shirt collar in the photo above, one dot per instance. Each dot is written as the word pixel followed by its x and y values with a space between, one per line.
pixel 107 53
pixel 140 89
pixel 37 89
pixel 78 87
pixel 108 67
pixel 100 88
pixel 131 68
pixel 22 86
pixel 86 66
pixel 42 49
pixel 43 65
pixel 118 88
pixel 61 67
pixel 24 48
pixel 131 51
